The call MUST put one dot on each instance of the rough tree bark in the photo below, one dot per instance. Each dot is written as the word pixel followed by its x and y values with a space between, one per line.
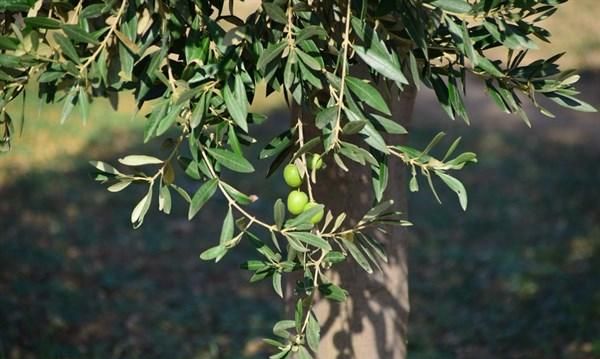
pixel 372 323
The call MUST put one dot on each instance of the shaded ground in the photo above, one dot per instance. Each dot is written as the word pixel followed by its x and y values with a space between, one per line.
pixel 514 277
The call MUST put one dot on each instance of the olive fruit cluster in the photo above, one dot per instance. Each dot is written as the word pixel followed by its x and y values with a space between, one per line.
pixel 297 200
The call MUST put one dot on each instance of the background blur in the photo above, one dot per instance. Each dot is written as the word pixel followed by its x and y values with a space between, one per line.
pixel 516 276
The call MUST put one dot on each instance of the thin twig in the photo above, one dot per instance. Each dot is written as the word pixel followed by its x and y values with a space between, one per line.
pixel 340 102
pixel 107 38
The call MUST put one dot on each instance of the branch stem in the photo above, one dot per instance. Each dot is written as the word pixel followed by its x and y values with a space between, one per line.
pixel 107 38
pixel 340 102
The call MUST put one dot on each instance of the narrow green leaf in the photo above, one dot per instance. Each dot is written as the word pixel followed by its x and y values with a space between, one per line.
pixel 456 186
pixel 570 102
pixel 227 229
pixel 271 53
pixel 231 160
pixel 69 104
pixel 489 67
pixel 213 253
pixel 151 124
pixel 380 63
pixel 380 178
pixel 9 43
pixel 140 210
pixel 119 186
pixel 277 145
pixel 202 195
pixel 234 95
pixel 277 284
pixel 308 60
pixel 304 217
pixel 353 127
pixel 303 353
pixel 127 62
pixel 309 31
pixel 333 292
pixel 451 149
pixel 299 315
pixel 164 199
pixel 167 121
pixel 76 33
pixel 373 137
pixel 233 141
pixel 307 147
pixel 200 110
pixel 313 333
pixel 334 257
pixel 390 126
pixel 456 6
pixel 275 12
pixel 295 244
pixel 376 247
pixel 358 256
pixel 367 93
pixel 238 196
pixel 311 239
pixel 140 160
pixel 326 117
pixel 279 213
pixel 104 167
pixel 42 22
pixel 414 70
pixel 281 328
pixel 84 104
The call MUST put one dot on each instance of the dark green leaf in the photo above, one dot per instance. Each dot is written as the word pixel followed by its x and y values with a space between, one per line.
pixel 313 333
pixel 333 292
pixel 42 22
pixel 389 126
pixel 69 104
pixel 271 53
pixel 231 160
pixel 227 228
pixel 202 195
pixel 275 12
pixel 358 256
pixel 277 284
pixel 67 47
pixel 308 60
pixel 279 213
pixel 381 63
pixel 326 116
pixel 367 93
pixel 457 6
pixel 77 34
pixel 311 239
pixel 234 94
pixel 238 196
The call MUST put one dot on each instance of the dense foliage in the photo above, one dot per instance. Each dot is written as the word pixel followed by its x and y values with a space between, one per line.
pixel 199 63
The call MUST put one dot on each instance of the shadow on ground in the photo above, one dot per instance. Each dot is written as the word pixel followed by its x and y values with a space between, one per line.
pixel 514 277
pixel 78 282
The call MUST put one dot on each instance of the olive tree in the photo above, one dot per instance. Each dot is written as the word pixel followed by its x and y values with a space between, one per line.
pixel 349 71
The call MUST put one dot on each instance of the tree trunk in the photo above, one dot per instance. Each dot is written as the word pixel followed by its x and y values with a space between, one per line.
pixel 372 322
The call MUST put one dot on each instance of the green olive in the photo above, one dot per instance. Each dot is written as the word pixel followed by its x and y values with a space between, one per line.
pixel 318 216
pixel 315 162
pixel 296 202
pixel 292 176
